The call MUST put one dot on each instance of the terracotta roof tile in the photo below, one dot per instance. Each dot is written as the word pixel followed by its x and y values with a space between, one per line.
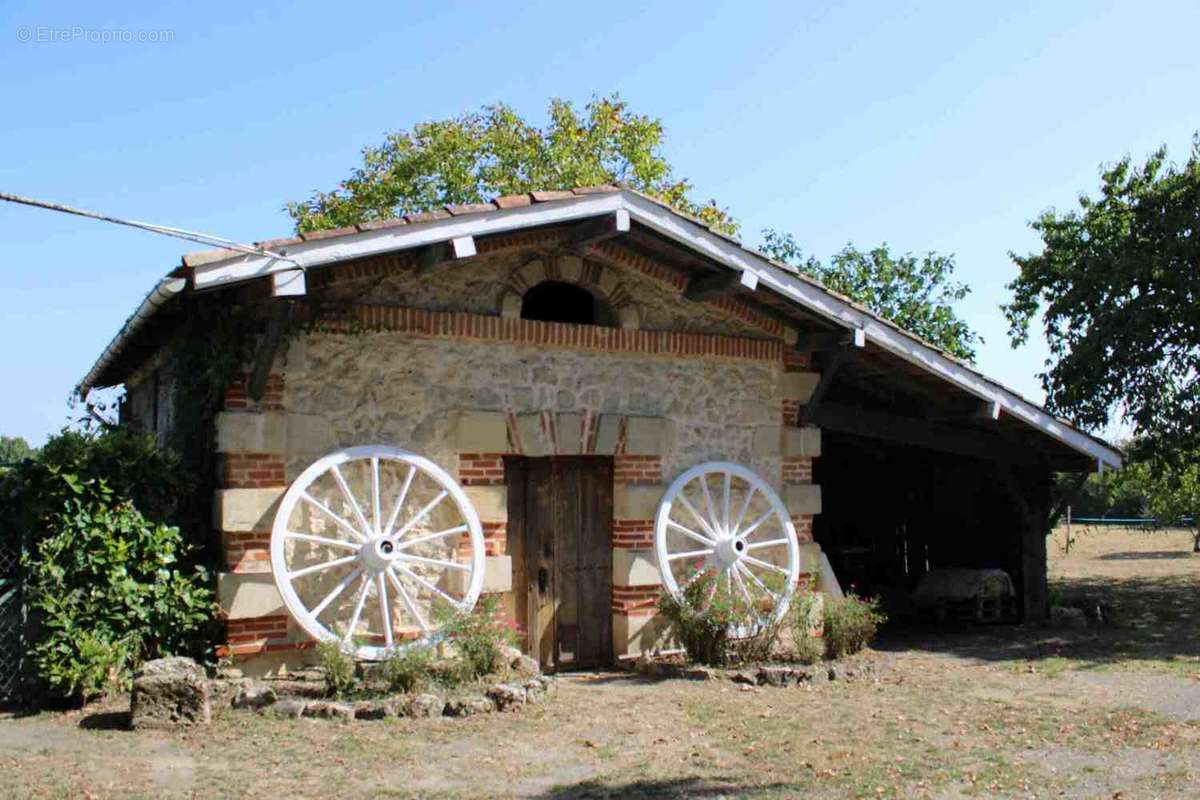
pixel 328 234
pixel 470 208
pixel 379 224
pixel 558 194
pixel 428 216
pixel 271 244
pixel 605 189
pixel 513 201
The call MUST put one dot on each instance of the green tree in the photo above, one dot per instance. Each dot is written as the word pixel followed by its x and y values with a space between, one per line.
pixel 476 156
pixel 1168 488
pixel 918 294
pixel 14 449
pixel 1118 285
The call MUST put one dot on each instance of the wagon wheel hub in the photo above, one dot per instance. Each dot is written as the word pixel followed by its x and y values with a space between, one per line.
pixel 379 553
pixel 729 551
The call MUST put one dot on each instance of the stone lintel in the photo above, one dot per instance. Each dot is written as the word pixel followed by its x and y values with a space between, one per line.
pixel 648 436
pixel 479 431
pixel 241 510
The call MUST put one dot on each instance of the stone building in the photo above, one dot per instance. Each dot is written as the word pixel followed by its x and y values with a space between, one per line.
pixel 561 359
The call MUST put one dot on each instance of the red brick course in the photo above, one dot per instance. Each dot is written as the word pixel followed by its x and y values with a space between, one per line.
pixel 460 325
pixel 481 469
pixel 635 601
pixel 637 469
pixel 633 534
pixel 252 471
pixel 237 397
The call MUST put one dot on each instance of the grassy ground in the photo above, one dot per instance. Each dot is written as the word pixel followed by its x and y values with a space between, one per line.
pixel 1003 712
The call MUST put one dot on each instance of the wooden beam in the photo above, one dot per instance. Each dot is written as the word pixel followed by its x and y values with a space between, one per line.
pixel 288 284
pixel 820 341
pixel 918 433
pixel 593 231
pixel 712 285
pixel 828 371
pixel 983 411
pixel 264 356
pixel 442 253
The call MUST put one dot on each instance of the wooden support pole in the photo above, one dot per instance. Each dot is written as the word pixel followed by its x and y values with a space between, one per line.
pixel 264 356
pixel 828 371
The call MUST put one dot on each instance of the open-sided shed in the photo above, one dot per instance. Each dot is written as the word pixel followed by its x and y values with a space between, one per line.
pixel 567 399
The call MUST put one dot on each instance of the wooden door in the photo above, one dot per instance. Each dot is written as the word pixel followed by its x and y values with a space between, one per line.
pixel 560 540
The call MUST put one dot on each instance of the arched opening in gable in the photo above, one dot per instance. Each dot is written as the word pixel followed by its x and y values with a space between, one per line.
pixel 558 301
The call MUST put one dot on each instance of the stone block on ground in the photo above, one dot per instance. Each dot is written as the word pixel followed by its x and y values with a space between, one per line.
pixel 374 709
pixel 775 676
pixel 467 706
pixel 424 705
pixel 292 707
pixel 169 693
pixel 506 697
pixel 329 709
pixel 254 695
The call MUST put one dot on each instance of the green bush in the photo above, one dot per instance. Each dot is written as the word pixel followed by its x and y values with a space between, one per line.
pixel 336 661
pixel 476 636
pixel 803 618
pixel 409 669
pixel 707 617
pixel 850 624
pixel 104 586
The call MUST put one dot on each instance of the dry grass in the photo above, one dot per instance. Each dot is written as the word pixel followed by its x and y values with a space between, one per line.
pixel 987 713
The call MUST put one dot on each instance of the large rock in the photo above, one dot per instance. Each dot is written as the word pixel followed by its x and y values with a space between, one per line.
pixel 254 695
pixel 775 676
pixel 467 706
pixel 169 693
pixel 424 705
pixel 506 697
pixel 329 709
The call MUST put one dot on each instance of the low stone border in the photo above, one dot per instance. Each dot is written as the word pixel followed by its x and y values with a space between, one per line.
pixel 262 697
pixel 174 692
pixel 846 669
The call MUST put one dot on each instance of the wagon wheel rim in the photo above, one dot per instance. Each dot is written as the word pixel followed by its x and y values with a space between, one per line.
pixel 368 542
pixel 723 520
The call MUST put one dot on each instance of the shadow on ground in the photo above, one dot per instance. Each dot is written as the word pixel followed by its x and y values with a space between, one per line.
pixel 676 787
pixel 1144 619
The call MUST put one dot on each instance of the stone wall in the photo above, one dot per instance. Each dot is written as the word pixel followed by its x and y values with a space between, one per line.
pixel 440 366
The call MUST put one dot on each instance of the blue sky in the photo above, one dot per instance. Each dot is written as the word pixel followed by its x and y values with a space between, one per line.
pixel 935 126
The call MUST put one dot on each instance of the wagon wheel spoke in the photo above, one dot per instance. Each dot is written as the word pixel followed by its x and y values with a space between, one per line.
pixel 337 518
pixel 407 600
pixel 400 498
pixel 325 540
pixel 696 514
pixel 688 532
pixel 729 517
pixel 349 495
pixel 403 561
pixel 385 611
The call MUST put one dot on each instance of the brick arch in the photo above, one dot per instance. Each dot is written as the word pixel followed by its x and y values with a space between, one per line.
pixel 598 279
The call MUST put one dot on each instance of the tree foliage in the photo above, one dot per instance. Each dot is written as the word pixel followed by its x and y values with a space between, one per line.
pixel 106 585
pixel 1118 284
pixel 918 294
pixel 14 449
pixel 1166 489
pixel 476 156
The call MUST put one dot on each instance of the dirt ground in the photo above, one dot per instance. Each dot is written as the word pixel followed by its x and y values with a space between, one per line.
pixel 986 712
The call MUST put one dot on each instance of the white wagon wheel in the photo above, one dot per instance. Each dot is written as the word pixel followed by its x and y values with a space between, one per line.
pixel 723 520
pixel 367 541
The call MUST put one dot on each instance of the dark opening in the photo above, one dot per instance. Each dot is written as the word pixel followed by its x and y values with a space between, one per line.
pixel 555 301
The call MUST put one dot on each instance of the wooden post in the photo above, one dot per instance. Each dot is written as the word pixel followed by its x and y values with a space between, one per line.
pixel 1067 547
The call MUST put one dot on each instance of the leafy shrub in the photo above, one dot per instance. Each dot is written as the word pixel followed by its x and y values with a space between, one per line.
pixel 477 635
pixel 715 625
pixel 336 661
pixel 409 669
pixel 850 624
pixel 803 618
pixel 105 586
